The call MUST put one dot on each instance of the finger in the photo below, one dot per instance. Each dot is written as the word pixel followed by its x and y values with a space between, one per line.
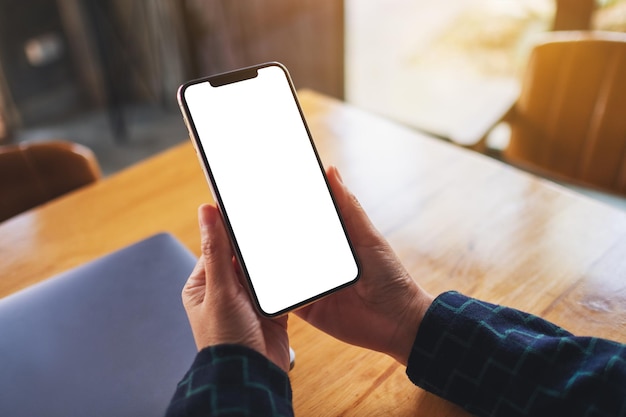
pixel 216 250
pixel 359 226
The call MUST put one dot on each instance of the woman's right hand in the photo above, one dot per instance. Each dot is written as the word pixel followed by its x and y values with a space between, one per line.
pixel 383 310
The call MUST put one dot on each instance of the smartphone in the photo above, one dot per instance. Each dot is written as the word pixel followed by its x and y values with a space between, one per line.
pixel 269 184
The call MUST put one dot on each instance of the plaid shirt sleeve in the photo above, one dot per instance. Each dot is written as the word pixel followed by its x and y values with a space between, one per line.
pixel 497 361
pixel 232 380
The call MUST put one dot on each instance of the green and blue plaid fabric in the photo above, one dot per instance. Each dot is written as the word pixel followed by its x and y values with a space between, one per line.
pixel 232 380
pixel 497 361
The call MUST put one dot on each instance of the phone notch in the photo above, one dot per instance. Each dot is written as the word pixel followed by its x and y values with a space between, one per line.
pixel 230 78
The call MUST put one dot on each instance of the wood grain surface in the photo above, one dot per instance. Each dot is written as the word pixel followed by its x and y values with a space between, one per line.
pixel 457 219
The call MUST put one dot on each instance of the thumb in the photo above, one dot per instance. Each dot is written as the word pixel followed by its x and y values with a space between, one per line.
pixel 195 289
pixel 216 251
pixel 360 228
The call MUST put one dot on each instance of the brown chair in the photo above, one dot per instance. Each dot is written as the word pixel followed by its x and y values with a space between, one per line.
pixel 569 121
pixel 34 173
pixel 574 14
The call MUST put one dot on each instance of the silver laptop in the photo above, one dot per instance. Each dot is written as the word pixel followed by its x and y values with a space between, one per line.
pixel 109 338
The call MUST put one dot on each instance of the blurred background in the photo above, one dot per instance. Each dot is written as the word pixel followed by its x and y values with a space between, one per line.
pixel 105 73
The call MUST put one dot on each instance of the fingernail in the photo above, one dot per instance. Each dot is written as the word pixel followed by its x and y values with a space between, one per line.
pixel 339 177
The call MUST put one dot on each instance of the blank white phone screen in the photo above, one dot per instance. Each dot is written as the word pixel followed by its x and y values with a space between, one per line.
pixel 272 189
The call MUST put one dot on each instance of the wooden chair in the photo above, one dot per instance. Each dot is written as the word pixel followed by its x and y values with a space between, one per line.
pixel 574 14
pixel 34 173
pixel 569 121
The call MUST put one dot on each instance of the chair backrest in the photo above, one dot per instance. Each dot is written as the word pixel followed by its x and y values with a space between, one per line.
pixel 33 173
pixel 570 119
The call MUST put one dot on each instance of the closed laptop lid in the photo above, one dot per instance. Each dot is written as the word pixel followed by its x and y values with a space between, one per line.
pixel 108 338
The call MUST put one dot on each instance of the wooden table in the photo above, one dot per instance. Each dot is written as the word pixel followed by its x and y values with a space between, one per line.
pixel 457 219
